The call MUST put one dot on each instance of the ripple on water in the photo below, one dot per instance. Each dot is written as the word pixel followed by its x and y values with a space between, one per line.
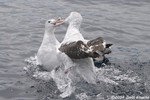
pixel 125 23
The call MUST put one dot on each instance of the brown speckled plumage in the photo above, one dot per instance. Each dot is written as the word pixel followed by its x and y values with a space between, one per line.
pixel 80 50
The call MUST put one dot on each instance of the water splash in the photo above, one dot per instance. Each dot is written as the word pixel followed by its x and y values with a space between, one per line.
pixel 58 76
pixel 109 77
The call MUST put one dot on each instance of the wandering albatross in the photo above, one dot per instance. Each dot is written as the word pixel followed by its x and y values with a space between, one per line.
pixel 84 66
pixel 48 54
pixel 82 51
pixel 53 60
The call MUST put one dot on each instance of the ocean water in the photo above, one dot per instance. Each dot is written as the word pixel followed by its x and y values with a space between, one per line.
pixel 125 23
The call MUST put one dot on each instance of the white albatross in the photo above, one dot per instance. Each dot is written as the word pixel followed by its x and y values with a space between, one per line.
pixel 53 61
pixel 48 54
pixel 77 45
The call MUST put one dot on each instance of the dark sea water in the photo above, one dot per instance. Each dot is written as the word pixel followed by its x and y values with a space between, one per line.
pixel 125 23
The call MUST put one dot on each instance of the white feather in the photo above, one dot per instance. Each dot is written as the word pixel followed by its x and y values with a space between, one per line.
pixel 84 67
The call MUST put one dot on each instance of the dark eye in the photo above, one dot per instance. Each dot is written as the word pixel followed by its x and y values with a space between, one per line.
pixel 49 21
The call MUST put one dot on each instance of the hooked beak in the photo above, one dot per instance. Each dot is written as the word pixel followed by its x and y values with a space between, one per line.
pixel 58 22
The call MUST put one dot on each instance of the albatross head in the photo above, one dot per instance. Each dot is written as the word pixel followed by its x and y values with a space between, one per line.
pixel 74 17
pixel 51 24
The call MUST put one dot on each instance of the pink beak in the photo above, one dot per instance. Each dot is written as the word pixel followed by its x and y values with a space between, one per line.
pixel 58 22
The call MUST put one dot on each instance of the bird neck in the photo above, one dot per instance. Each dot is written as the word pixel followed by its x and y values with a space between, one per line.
pixel 75 24
pixel 49 38
pixel 72 30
